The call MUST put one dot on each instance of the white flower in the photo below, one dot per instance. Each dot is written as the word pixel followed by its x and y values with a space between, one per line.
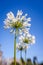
pixel 27 38
pixel 21 47
pixel 19 22
pixel 20 25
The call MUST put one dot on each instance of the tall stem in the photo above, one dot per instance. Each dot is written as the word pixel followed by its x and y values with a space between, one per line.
pixel 25 56
pixel 15 49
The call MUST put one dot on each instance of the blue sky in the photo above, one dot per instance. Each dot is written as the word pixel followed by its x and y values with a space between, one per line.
pixel 34 9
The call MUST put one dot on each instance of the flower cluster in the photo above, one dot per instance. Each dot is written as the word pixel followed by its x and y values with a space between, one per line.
pixel 20 25
pixel 21 46
pixel 18 22
pixel 27 38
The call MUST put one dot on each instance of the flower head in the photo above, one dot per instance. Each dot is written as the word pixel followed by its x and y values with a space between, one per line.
pixel 27 38
pixel 21 46
pixel 18 22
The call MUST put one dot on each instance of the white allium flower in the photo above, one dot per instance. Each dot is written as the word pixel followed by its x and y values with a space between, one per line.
pixel 19 22
pixel 27 38
pixel 21 47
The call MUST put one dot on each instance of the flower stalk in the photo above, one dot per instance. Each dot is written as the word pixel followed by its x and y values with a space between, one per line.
pixel 15 49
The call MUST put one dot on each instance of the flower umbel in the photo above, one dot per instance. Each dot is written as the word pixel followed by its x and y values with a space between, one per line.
pixel 21 46
pixel 18 22
pixel 27 38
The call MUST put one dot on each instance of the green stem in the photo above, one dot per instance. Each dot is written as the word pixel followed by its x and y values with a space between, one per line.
pixel 15 49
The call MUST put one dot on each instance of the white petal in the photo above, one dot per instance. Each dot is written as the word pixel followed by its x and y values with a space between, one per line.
pixel 28 35
pixel 20 31
pixel 33 42
pixel 6 27
pixel 33 37
pixel 6 22
pixel 26 24
pixel 19 12
pixel 23 18
pixel 21 38
pixel 10 15
pixel 29 19
pixel 25 31
pixel 14 20
pixel 26 14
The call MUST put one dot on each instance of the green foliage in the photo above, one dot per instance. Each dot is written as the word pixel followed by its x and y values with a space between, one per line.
pixel 14 63
pixel 29 62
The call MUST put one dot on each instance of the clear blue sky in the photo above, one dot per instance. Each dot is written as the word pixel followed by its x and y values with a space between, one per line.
pixel 34 8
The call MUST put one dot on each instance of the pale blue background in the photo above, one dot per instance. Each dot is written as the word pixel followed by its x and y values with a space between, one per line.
pixel 34 8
